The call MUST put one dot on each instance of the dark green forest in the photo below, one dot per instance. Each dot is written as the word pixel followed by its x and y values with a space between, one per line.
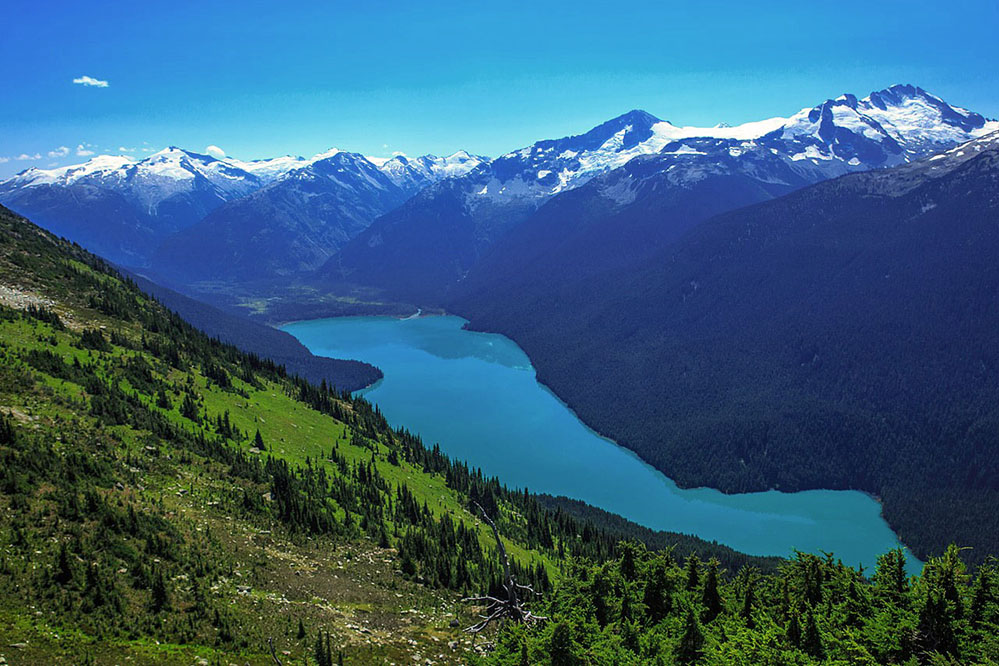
pixel 842 337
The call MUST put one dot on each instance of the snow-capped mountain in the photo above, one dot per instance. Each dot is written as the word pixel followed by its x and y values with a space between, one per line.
pixel 412 174
pixel 174 189
pixel 455 221
pixel 886 128
pixel 292 225
pixel 163 176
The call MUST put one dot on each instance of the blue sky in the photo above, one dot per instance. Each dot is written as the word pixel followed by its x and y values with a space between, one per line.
pixel 263 79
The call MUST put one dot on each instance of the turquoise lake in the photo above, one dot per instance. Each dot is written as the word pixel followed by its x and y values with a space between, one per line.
pixel 476 394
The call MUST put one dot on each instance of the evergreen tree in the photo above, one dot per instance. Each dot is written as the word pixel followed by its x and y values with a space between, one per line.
pixel 691 646
pixel 64 573
pixel 747 604
pixel 160 596
pixel 710 597
pixel 561 649
pixel 657 598
pixel 811 641
pixel 301 629
pixel 163 400
pixel 693 572
pixel 258 441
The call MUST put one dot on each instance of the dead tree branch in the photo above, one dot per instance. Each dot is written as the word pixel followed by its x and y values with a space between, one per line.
pixel 510 608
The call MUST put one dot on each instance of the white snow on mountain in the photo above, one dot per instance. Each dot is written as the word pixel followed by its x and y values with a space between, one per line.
pixel 269 170
pixel 414 173
pixel 889 127
pixel 892 126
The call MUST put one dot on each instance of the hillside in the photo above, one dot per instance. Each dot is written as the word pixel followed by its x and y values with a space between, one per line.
pixel 842 336
pixel 167 498
pixel 264 341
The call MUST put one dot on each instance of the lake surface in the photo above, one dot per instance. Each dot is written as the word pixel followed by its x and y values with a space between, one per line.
pixel 477 395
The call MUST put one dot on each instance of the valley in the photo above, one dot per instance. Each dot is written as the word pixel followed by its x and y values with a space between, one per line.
pixel 645 394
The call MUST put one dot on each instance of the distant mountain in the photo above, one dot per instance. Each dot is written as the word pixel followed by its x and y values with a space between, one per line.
pixel 842 336
pixel 292 225
pixel 617 219
pixel 124 208
pixel 412 174
pixel 121 207
pixel 424 248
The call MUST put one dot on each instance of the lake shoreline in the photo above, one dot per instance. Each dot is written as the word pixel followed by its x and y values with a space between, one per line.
pixel 764 507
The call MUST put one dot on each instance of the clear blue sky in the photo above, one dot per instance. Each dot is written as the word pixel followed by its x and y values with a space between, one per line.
pixel 262 79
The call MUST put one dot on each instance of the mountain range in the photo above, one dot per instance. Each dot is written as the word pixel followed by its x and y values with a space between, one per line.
pixel 423 249
pixel 414 227
pixel 125 209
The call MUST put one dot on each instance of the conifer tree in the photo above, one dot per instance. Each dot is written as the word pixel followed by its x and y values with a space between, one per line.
pixel 691 645
pixel 693 573
pixel 710 597
pixel 811 641
pixel 657 600
pixel 160 596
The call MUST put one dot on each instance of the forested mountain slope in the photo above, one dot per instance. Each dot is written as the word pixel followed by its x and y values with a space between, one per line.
pixel 843 336
pixel 165 498
pixel 264 341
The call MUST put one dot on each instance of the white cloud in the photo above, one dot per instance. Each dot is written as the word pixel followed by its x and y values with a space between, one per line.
pixel 215 151
pixel 24 157
pixel 83 150
pixel 4 160
pixel 61 151
pixel 123 149
pixel 90 81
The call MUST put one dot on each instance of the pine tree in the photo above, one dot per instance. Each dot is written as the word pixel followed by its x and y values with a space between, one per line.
pixel 258 441
pixel 710 597
pixel 748 600
pixel 160 596
pixel 693 573
pixel 163 400
pixel 811 642
pixel 64 567
pixel 982 596
pixel 301 629
pixel 561 650
pixel 657 600
pixel 691 644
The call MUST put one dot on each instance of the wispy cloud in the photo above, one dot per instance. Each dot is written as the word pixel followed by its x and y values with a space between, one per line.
pixel 24 157
pixel 90 82
pixel 4 160
pixel 61 151
pixel 123 149
pixel 215 151
pixel 83 150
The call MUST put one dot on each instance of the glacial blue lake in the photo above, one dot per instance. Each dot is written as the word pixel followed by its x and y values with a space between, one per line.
pixel 476 395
